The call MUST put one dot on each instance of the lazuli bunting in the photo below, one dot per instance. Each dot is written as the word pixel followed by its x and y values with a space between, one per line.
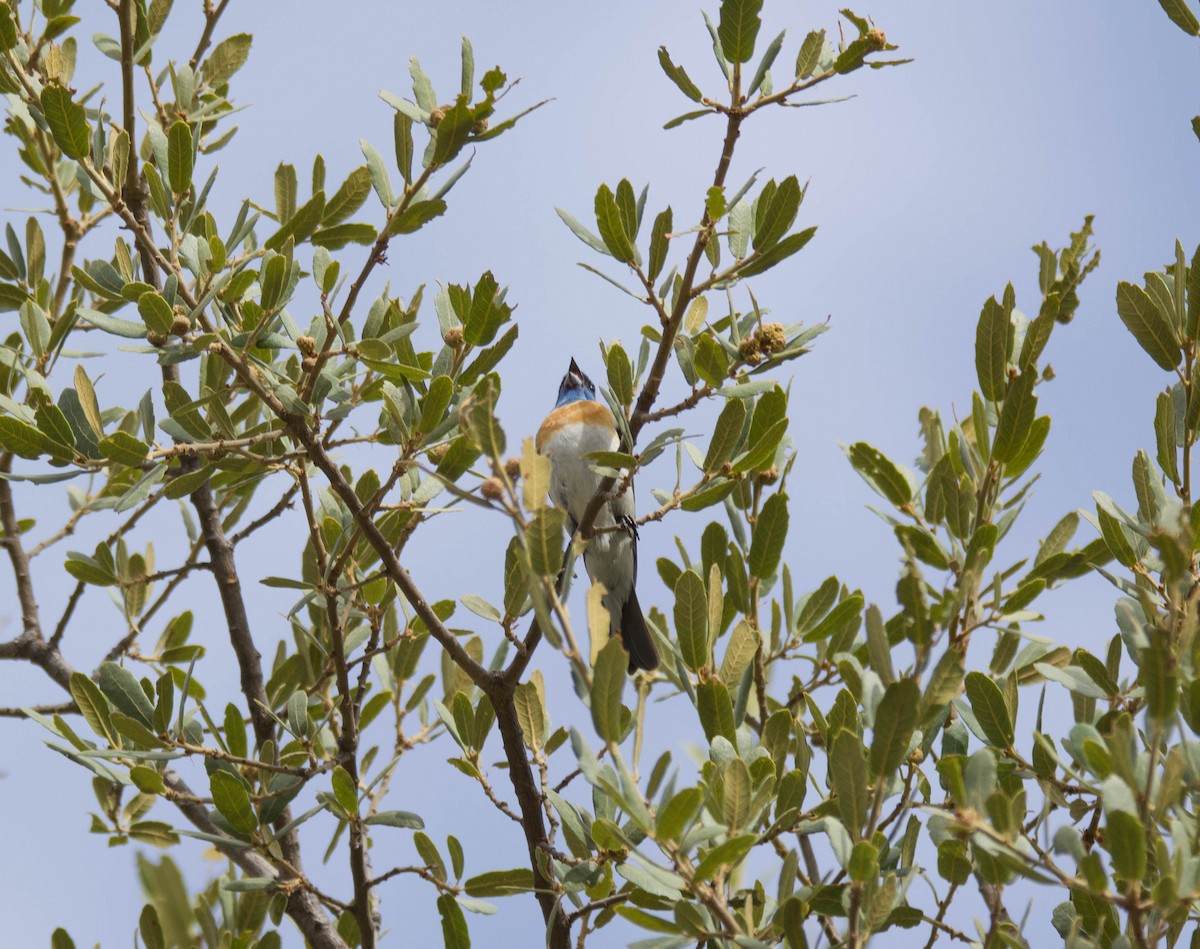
pixel 579 425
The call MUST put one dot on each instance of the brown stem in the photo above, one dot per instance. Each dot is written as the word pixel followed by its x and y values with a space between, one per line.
pixel 211 17
pixel 229 588
pixel 303 906
pixel 529 801
pixel 31 645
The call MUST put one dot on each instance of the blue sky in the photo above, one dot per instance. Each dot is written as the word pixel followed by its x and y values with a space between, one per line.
pixel 929 188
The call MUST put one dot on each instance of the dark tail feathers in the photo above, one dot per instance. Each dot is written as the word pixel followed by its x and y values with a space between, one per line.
pixel 638 640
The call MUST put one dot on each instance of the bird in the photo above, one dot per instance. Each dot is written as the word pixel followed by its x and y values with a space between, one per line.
pixel 578 425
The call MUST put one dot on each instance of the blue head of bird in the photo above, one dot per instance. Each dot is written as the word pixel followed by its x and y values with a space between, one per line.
pixel 575 386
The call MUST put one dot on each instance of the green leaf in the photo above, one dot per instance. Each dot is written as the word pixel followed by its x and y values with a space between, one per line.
pixel 765 64
pixel 415 216
pixel 1125 838
pixel 67 121
pixel 301 225
pixel 845 614
pixel 52 423
pixel 285 192
pixel 991 711
pixel 93 706
pixel 1114 537
pixel 848 778
pixel 1159 679
pixel 454 924
pixel 348 198
pixel 452 133
pixel 436 401
pixel 111 324
pixel 612 226
pixel 727 434
pixel 531 714
pixel 406 820
pixel 134 731
pixel 582 232
pixel 679 814
pixel 378 172
pixel 1143 319
pixel 156 312
pixel 944 682
pixel 620 374
pixel 11 296
pixel 1030 449
pixel 122 688
pixel 738 28
pixel 678 76
pixel 743 644
pixel 500 883
pixel 737 807
pixel 895 720
pixel 124 449
pixel 773 217
pixel 1192 322
pixel 659 244
pixel 711 361
pixel 227 57
pixel 767 428
pixel 810 54
pixel 1016 417
pixel 724 856
pixel 24 440
pixel 691 620
pixel 235 731
pixel 544 540
pixel 179 157
pixel 1165 436
pixel 715 709
pixel 8 39
pixel 770 532
pixel 150 928
pixel 778 253
pixel 339 235
pixel 608 683
pixel 993 337
pixel 879 471
pixel 345 790
pixel 233 801
pixel 1183 17
pixel 952 862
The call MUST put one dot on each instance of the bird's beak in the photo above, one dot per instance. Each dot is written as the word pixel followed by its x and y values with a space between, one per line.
pixel 575 370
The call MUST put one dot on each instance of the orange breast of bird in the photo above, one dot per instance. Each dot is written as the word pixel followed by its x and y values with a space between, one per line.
pixel 581 412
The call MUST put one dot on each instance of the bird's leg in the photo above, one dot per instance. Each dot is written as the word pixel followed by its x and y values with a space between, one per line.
pixel 630 526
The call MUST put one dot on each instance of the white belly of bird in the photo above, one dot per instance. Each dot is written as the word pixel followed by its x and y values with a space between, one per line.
pixel 609 556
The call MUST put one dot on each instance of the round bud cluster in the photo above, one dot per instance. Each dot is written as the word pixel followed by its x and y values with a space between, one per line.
pixel 306 344
pixel 454 337
pixel 512 468
pixel 308 363
pixel 750 350
pixel 770 476
pixel 155 338
pixel 181 325
pixel 492 489
pixel 436 116
pixel 771 337
pixel 877 39
pixel 479 126
pixel 438 452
